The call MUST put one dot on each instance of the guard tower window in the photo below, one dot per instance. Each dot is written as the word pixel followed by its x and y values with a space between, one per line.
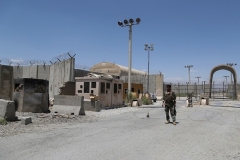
pixel 102 87
pixel 115 87
pixel 86 87
pixel 119 86
pixel 108 85
pixel 93 84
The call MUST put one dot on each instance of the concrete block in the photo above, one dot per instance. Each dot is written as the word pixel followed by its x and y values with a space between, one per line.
pixel 92 105
pixel 137 102
pixel 134 104
pixel 70 105
pixel 7 110
pixel 68 110
pixel 204 101
pixel 26 120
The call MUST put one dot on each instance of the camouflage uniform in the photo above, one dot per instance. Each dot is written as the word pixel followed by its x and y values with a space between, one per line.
pixel 169 99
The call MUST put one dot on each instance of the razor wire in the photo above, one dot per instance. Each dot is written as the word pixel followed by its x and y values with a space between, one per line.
pixel 19 62
pixel 62 57
pixel 82 67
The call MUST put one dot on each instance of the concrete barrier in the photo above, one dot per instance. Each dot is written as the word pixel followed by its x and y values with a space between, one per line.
pixel 204 101
pixel 92 105
pixel 137 102
pixel 69 105
pixel 7 110
pixel 26 120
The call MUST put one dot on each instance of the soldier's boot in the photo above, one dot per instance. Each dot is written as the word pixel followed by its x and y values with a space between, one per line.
pixel 174 120
pixel 167 122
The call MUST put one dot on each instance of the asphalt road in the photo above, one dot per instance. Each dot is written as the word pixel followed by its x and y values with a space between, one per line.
pixel 202 133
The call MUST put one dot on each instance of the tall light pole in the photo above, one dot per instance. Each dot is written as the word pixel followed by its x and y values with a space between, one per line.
pixel 231 64
pixel 129 23
pixel 198 79
pixel 148 48
pixel 189 66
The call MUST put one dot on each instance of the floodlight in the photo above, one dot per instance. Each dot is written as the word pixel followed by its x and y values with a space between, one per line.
pixel 131 21
pixel 138 20
pixel 151 49
pixel 146 45
pixel 120 23
pixel 151 45
pixel 125 21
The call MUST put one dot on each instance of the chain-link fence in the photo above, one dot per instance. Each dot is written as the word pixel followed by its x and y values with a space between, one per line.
pixel 218 91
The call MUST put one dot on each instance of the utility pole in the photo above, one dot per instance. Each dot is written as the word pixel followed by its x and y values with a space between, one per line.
pixel 189 66
pixel 148 48
pixel 129 23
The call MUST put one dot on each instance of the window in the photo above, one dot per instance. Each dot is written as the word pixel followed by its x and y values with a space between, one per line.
pixel 86 87
pixel 106 91
pixel 119 86
pixel 91 91
pixel 102 87
pixel 93 84
pixel 132 89
pixel 108 86
pixel 80 86
pixel 79 91
pixel 18 87
pixel 115 87
pixel 126 91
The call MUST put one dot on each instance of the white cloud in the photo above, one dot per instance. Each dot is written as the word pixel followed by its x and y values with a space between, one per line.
pixel 16 60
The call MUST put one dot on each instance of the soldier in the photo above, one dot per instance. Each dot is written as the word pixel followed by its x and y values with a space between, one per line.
pixel 19 88
pixel 169 101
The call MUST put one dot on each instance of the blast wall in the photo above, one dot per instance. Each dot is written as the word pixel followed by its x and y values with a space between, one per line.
pixel 60 73
pixel 6 82
pixel 34 71
pixel 57 74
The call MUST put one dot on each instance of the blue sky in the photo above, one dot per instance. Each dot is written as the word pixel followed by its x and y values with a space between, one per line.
pixel 202 33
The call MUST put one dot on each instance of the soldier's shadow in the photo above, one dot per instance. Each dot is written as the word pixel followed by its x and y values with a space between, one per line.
pixel 176 122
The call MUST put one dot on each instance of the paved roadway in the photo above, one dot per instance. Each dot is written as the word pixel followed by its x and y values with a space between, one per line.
pixel 202 133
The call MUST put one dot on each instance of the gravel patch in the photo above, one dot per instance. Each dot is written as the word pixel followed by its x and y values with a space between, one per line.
pixel 49 121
